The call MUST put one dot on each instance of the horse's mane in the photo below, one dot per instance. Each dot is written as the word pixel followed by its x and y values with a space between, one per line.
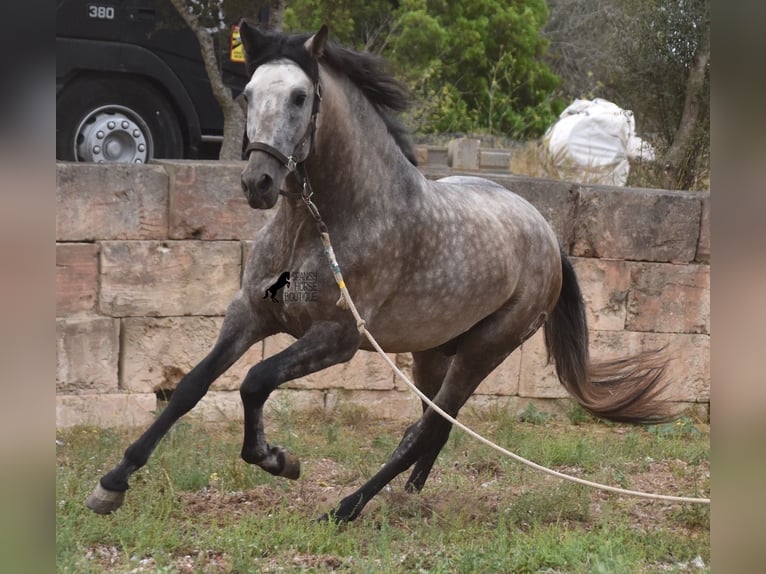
pixel 366 71
pixel 387 94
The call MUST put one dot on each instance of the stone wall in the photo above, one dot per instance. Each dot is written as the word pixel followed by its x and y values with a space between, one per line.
pixel 147 258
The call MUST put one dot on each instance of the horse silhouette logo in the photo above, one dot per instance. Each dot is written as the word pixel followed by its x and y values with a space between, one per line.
pixel 284 280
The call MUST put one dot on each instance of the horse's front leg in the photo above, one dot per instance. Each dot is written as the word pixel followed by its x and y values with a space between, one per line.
pixel 323 345
pixel 241 329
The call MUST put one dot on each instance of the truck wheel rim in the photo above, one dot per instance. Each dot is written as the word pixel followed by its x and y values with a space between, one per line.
pixel 113 134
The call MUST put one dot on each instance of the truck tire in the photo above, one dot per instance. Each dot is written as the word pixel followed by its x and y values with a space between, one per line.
pixel 112 119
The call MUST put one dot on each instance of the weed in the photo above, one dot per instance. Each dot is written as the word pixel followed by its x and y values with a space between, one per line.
pixel 533 416
pixel 197 507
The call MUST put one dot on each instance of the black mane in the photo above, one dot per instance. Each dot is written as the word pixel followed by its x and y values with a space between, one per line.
pixel 366 71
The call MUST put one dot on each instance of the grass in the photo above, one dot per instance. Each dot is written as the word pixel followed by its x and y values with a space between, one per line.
pixel 196 507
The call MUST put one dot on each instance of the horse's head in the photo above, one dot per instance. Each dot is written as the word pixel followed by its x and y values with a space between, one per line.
pixel 282 103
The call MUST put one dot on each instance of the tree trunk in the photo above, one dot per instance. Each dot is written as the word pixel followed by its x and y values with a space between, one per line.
pixel 677 156
pixel 233 116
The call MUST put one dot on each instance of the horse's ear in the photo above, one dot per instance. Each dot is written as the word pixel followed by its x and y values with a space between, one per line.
pixel 252 38
pixel 316 44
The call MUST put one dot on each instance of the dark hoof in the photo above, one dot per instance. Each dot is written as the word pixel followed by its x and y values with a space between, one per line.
pixel 103 501
pixel 291 467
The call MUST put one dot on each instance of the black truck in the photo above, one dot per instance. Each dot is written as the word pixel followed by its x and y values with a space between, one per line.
pixel 131 86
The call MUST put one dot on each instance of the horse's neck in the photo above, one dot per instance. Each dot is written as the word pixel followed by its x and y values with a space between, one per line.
pixel 356 162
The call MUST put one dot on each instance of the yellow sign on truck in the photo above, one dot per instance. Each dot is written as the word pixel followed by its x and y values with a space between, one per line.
pixel 237 53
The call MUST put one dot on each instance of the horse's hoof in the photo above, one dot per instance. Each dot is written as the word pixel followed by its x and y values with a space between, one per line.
pixel 292 466
pixel 103 501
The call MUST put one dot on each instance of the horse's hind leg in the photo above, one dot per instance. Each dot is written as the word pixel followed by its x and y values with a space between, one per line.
pixel 240 330
pixel 429 368
pixel 477 353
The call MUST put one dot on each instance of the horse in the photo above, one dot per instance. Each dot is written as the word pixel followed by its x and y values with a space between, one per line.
pixel 283 281
pixel 326 145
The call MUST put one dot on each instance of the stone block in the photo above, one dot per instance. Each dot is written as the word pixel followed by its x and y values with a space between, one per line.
pixel 283 402
pixel 604 284
pixel 703 247
pixel 404 362
pixel 437 156
pixel 480 405
pixel 538 378
pixel 167 278
pixel 495 159
pixel 112 410
pixel 463 153
pixel 669 298
pixel 504 380
pixel 76 277
pixel 421 154
pixel 366 370
pixel 206 202
pixel 158 352
pixel 688 368
pixel 111 201
pixel 637 224
pixel 387 405
pixel 87 352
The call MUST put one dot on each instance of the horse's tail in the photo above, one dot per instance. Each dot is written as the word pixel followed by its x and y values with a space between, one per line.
pixel 625 389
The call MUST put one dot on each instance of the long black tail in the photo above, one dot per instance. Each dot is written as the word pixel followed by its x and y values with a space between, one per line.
pixel 626 389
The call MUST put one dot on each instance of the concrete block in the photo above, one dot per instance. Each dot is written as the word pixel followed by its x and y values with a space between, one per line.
pixel 87 351
pixel 76 277
pixel 463 153
pixel 112 410
pixel 158 352
pixel 206 202
pixel 604 284
pixel 637 224
pixel 153 278
pixel 669 298
pixel 111 201
pixel 366 370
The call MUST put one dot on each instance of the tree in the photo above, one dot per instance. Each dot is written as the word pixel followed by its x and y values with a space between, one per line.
pixel 652 57
pixel 211 20
pixel 472 66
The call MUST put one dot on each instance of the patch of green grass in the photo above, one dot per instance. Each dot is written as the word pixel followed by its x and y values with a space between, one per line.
pixel 196 507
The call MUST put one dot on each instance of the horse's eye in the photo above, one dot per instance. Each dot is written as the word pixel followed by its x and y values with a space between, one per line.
pixel 298 98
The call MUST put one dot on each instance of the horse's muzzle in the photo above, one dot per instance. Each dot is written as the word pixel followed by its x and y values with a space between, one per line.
pixel 259 187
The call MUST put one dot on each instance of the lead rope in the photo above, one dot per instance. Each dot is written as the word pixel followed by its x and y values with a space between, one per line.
pixel 345 302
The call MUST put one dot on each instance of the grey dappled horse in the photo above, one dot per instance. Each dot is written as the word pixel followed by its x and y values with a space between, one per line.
pixel 411 250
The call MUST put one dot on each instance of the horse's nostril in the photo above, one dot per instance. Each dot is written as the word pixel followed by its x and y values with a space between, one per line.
pixel 264 183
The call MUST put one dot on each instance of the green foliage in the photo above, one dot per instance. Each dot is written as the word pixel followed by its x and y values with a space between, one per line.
pixel 472 66
pixel 533 416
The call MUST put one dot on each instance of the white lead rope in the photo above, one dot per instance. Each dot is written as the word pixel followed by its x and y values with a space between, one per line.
pixel 346 302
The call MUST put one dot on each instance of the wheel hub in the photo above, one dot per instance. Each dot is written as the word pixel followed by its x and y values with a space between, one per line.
pixel 113 134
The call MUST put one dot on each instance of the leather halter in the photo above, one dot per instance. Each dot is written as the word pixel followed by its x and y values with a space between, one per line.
pixel 292 163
